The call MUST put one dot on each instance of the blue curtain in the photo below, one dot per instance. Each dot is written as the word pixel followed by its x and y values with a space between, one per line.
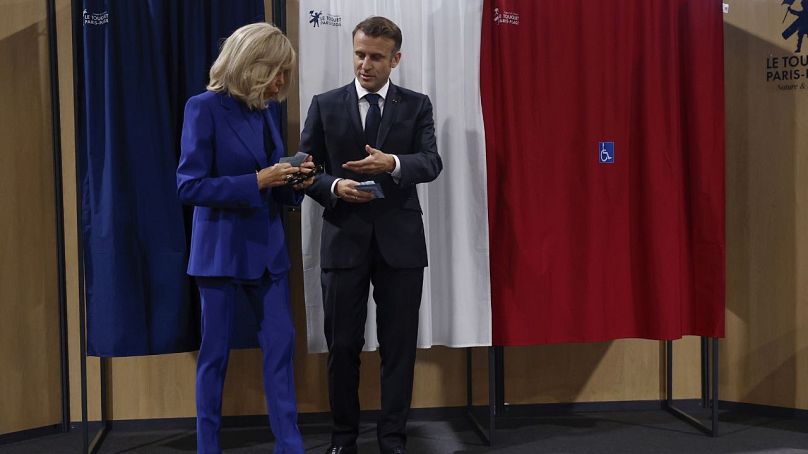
pixel 142 60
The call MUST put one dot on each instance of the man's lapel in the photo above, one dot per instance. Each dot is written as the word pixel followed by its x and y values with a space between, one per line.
pixel 352 107
pixel 391 104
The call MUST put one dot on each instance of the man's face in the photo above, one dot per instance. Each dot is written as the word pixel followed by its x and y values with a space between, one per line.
pixel 374 59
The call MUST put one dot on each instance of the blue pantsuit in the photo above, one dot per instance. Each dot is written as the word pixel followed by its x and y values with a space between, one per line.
pixel 238 248
pixel 269 299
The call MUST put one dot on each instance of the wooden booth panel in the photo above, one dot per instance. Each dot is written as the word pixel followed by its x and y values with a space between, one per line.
pixel 30 388
pixel 766 353
pixel 65 55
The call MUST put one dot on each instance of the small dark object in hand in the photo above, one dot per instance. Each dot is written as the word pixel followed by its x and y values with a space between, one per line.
pixel 300 177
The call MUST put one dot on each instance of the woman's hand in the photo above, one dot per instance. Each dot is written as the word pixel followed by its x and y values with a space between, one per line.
pixel 306 167
pixel 277 175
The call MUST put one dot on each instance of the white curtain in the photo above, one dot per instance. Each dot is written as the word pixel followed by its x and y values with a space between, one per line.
pixel 441 58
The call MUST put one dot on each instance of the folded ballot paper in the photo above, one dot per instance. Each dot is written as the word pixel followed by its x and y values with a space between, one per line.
pixel 295 160
pixel 371 187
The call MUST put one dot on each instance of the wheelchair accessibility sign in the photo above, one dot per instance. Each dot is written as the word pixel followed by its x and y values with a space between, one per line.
pixel 606 152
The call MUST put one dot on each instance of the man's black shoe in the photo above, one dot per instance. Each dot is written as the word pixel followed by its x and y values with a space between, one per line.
pixel 343 450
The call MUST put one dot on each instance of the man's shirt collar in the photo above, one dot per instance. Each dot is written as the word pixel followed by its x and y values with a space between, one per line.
pixel 361 92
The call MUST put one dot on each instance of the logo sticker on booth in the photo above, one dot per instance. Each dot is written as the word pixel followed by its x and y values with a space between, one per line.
pixel 606 152
pixel 505 17
pixel 101 18
pixel 317 19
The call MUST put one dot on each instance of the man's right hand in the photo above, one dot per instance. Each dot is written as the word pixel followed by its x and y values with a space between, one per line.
pixel 277 175
pixel 347 191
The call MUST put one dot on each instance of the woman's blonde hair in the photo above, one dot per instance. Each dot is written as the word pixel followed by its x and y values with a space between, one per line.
pixel 250 59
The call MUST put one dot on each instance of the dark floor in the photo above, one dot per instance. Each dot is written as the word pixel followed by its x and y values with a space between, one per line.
pixel 585 432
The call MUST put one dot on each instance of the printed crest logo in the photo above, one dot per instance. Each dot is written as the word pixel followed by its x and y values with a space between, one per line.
pixel 789 72
pixel 95 18
pixel 318 19
pixel 800 25
pixel 505 17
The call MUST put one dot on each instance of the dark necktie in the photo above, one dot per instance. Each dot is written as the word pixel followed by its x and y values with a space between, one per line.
pixel 373 119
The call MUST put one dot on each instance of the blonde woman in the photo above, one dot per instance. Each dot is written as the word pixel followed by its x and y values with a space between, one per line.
pixel 229 172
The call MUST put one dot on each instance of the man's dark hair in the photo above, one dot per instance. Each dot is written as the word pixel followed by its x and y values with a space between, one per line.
pixel 377 26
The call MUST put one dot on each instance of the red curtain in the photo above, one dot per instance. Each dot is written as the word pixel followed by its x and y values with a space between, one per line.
pixel 582 250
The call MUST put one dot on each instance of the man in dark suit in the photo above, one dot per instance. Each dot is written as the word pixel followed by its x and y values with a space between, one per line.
pixel 373 130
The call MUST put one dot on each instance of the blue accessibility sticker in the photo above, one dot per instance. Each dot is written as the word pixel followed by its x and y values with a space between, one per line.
pixel 606 152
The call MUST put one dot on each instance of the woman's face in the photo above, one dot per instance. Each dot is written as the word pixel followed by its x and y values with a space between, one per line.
pixel 275 86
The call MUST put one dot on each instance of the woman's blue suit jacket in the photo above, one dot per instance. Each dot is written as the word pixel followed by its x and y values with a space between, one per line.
pixel 237 229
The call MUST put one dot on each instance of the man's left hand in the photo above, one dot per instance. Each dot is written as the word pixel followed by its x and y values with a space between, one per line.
pixel 375 163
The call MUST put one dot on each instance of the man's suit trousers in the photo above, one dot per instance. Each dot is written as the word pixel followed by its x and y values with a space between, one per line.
pixel 397 292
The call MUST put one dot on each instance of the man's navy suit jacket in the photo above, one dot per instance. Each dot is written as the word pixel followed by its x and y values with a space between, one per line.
pixel 237 229
pixel 333 134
